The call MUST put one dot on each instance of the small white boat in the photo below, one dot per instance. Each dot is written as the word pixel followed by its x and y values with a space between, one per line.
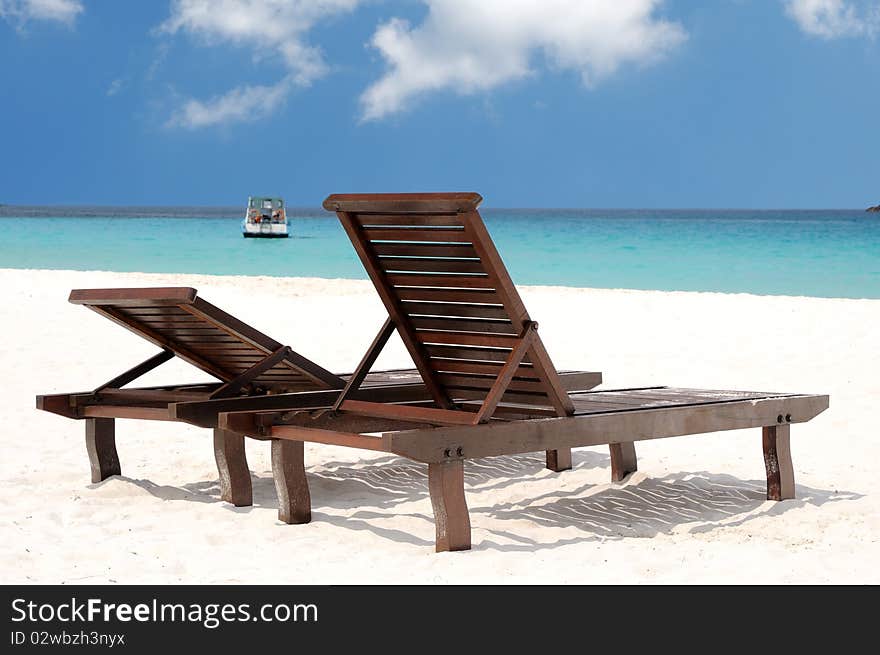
pixel 265 218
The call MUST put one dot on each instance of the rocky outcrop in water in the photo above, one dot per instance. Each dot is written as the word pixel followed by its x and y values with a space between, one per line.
pixel 873 209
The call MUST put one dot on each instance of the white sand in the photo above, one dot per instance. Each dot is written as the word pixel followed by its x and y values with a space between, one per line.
pixel 695 511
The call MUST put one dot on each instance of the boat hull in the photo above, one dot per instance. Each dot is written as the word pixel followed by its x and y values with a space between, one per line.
pixel 264 230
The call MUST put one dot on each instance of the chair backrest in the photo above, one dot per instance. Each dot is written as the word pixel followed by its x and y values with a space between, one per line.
pixel 177 320
pixel 452 301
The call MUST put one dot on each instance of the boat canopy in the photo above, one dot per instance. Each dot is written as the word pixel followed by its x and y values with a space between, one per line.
pixel 265 202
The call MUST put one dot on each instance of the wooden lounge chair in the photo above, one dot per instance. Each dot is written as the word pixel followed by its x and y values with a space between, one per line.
pixel 255 372
pixel 492 388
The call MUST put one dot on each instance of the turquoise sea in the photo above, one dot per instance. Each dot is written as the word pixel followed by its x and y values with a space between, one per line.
pixel 828 253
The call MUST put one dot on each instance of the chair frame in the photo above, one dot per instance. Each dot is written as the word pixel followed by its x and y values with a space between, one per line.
pixel 445 437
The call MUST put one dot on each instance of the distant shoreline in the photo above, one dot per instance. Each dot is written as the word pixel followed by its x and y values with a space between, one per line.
pixel 208 211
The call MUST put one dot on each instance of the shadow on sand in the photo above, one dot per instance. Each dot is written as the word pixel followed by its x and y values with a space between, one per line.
pixel 639 507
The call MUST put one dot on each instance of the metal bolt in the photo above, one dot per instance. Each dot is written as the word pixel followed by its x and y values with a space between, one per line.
pixel 788 418
pixel 447 453
pixel 779 419
pixel 459 451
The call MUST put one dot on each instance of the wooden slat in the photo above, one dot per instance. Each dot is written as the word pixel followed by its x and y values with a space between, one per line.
pixel 238 348
pixel 514 412
pixel 440 281
pixel 137 396
pixel 704 394
pixel 457 250
pixel 393 376
pixel 579 381
pixel 208 339
pixel 454 309
pixel 338 421
pixel 487 368
pixel 167 311
pixel 158 313
pixel 222 351
pixel 330 437
pixel 161 322
pixel 280 370
pixel 246 358
pixel 636 398
pixel 462 324
pixel 462 352
pixel 199 330
pixel 433 265
pixel 467 338
pixel 122 411
pixel 469 296
pixel 387 203
pixel 517 397
pixel 133 296
pixel 407 219
pixel 477 382
pixel 407 413
pixel 596 407
pixel 439 235
pixel 170 311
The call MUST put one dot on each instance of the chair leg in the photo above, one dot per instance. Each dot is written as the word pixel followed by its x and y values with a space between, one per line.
pixel 451 520
pixel 559 459
pixel 101 447
pixel 288 469
pixel 777 461
pixel 232 467
pixel 623 460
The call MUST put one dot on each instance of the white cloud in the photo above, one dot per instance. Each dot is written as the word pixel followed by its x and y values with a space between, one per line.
pixel 115 86
pixel 240 105
pixel 831 19
pixel 467 46
pixel 62 11
pixel 275 28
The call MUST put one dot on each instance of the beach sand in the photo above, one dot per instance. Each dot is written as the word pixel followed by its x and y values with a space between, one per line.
pixel 695 511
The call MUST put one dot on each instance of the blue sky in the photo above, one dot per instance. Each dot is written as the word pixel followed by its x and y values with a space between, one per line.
pixel 560 103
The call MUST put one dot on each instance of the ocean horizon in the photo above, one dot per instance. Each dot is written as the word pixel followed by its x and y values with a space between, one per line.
pixel 812 252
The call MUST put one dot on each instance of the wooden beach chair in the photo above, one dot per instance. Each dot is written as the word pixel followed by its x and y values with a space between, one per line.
pixel 255 372
pixel 491 388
